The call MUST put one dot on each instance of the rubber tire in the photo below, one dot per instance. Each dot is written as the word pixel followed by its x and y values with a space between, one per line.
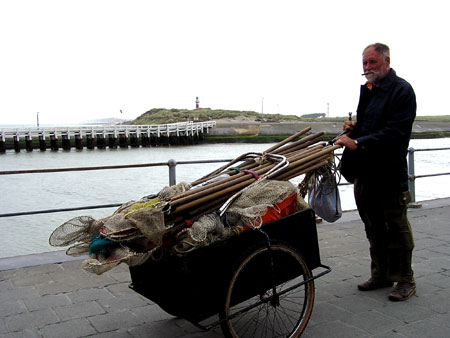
pixel 289 318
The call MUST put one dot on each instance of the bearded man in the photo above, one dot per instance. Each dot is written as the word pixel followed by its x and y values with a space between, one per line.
pixel 374 159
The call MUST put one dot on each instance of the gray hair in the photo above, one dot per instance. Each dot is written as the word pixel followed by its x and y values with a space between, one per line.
pixel 380 48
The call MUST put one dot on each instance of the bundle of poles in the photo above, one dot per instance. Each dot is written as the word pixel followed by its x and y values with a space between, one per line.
pixel 283 161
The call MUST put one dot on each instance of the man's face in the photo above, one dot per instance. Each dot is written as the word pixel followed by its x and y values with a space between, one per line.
pixel 375 66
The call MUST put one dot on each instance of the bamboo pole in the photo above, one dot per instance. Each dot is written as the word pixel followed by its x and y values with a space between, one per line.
pixel 289 139
pixel 303 156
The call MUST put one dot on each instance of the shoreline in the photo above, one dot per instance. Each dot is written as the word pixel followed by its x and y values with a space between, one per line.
pixel 247 131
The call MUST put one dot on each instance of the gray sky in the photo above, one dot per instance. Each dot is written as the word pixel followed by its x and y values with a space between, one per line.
pixel 79 60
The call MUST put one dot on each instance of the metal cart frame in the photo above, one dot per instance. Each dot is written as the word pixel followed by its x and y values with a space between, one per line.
pixel 259 280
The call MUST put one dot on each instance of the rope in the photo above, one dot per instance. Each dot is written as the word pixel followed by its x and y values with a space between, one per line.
pixel 254 174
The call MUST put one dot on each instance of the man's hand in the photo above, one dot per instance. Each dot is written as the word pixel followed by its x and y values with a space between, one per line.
pixel 348 126
pixel 346 141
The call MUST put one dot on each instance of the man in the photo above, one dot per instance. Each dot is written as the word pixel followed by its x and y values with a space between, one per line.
pixel 374 159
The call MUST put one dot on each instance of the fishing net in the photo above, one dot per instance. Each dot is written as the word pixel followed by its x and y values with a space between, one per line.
pixel 207 229
pixel 100 263
pixel 78 229
pixel 254 201
pixel 125 236
pixel 173 190
pixel 261 202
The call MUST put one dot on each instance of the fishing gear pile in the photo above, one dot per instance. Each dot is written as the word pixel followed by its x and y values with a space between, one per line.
pixel 247 192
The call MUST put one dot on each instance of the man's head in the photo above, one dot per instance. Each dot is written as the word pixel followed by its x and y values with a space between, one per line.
pixel 376 62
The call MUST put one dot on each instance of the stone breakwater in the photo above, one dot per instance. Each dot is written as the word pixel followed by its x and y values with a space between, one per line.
pixel 289 128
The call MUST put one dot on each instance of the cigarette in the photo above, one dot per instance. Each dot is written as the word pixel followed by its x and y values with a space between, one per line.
pixel 367 73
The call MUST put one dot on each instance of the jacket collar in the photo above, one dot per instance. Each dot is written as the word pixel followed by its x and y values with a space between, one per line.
pixel 385 83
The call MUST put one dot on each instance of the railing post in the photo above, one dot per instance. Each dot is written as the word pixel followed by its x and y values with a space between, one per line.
pixel 412 179
pixel 172 172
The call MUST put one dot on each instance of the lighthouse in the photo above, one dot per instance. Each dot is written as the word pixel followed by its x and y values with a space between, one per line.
pixel 197 103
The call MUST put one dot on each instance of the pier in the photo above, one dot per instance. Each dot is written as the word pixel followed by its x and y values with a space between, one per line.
pixel 102 136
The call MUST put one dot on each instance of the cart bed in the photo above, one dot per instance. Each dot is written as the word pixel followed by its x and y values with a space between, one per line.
pixel 193 286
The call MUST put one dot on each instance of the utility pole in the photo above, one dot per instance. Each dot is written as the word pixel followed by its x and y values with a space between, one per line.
pixel 37 119
pixel 262 108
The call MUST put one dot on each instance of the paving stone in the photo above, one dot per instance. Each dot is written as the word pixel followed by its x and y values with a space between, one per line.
pixel 28 333
pixel 46 302
pixel 326 312
pixel 88 294
pixel 424 329
pixel 427 243
pixel 388 334
pixel 19 293
pixel 440 280
pixel 357 303
pixel 442 319
pixel 30 320
pixel 3 327
pixel 37 270
pixel 115 320
pixel 151 312
pixel 12 307
pixel 68 329
pixel 113 334
pixel 5 285
pixel 439 303
pixel 30 280
pixel 172 329
pixel 118 304
pixel 372 322
pixel 335 329
pixel 406 312
pixel 79 310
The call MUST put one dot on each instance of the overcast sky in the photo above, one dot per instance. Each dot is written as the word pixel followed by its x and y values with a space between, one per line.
pixel 73 61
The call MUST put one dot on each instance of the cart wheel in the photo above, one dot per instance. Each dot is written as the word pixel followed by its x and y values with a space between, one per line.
pixel 254 308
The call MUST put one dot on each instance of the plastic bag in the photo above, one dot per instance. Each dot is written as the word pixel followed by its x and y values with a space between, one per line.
pixel 324 198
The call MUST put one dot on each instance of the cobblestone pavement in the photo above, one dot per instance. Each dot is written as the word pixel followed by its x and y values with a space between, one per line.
pixel 62 300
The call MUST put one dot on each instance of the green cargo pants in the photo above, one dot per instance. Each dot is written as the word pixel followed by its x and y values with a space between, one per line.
pixel 391 241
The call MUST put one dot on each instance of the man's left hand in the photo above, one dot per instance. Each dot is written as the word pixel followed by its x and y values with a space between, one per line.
pixel 347 142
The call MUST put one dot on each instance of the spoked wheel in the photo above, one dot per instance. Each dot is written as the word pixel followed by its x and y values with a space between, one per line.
pixel 264 298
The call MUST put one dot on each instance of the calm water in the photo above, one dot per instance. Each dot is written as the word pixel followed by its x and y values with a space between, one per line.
pixel 29 234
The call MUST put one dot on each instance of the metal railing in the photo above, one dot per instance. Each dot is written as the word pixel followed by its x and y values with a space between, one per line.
pixel 187 128
pixel 172 164
pixel 411 170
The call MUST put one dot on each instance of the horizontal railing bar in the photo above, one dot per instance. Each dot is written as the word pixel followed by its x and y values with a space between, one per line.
pixel 49 211
pixel 40 171
pixel 431 149
pixel 431 175
pixel 125 166
pixel 204 161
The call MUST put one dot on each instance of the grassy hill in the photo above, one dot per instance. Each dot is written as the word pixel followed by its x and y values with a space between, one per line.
pixel 163 116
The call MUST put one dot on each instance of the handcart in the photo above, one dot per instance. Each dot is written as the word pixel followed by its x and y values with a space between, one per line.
pixel 259 283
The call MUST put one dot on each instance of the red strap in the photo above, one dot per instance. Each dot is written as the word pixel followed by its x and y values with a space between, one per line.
pixel 255 175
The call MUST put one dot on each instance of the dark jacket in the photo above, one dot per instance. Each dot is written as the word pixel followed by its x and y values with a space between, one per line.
pixel 385 116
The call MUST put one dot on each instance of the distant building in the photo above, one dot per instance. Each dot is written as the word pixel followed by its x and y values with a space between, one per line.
pixel 197 103
pixel 314 116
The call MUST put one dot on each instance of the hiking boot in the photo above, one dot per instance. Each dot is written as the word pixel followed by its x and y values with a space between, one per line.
pixel 403 291
pixel 374 284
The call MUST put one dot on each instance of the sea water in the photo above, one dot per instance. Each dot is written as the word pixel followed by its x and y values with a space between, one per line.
pixel 22 235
